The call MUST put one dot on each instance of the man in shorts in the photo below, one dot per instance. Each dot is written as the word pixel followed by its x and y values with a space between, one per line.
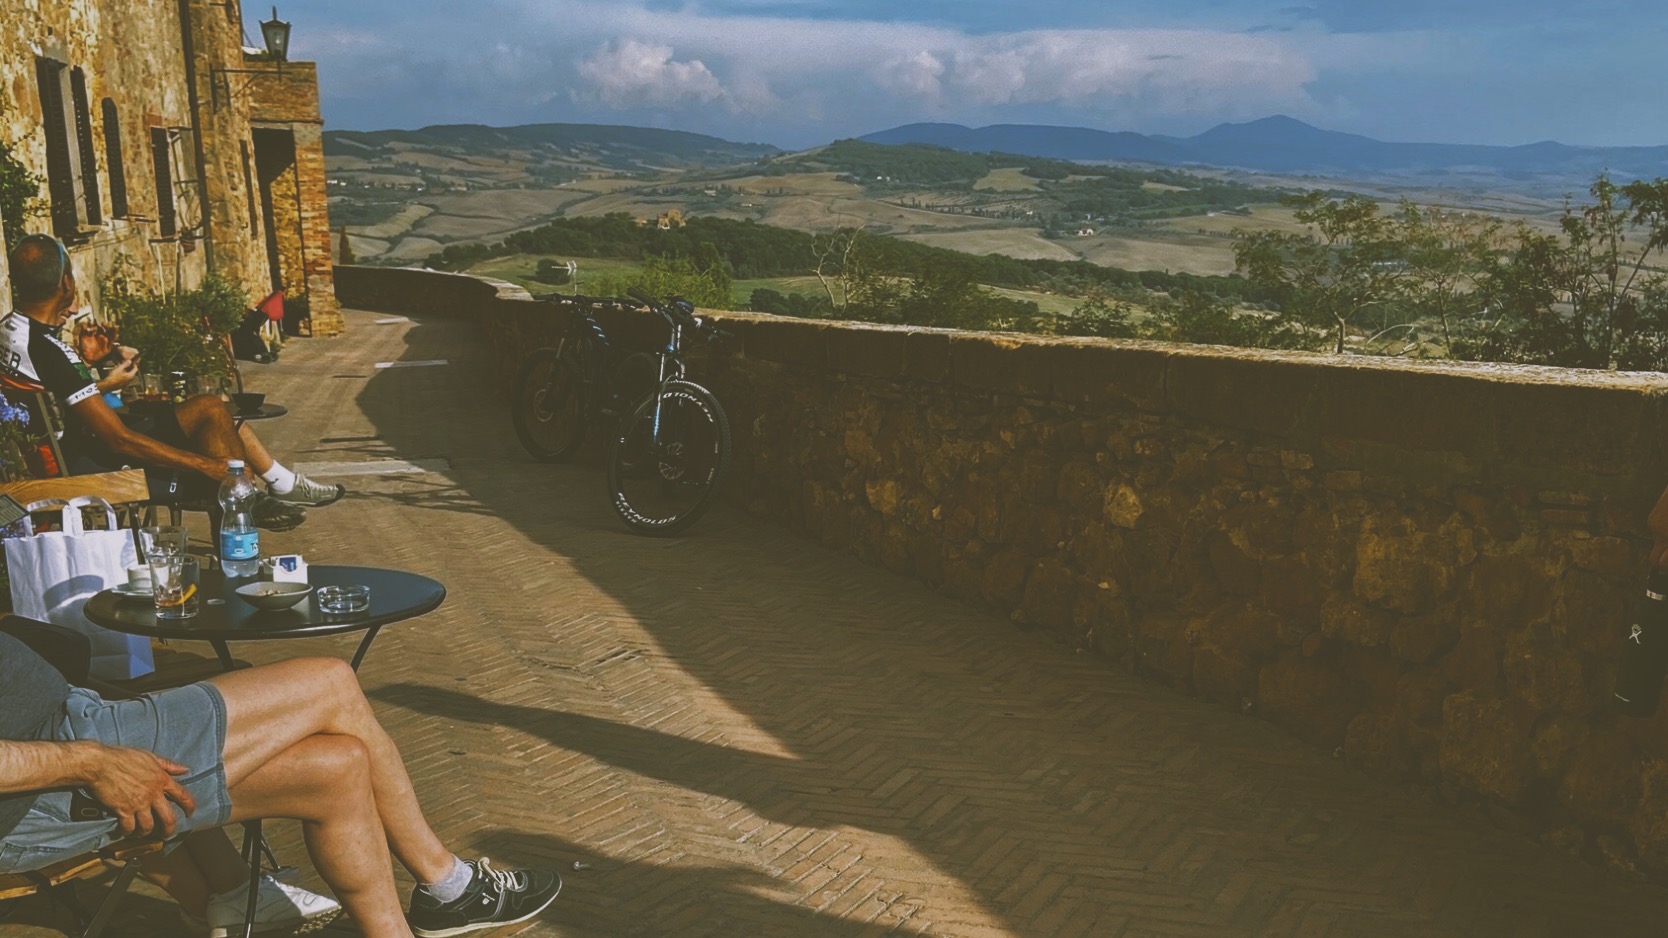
pixel 295 740
pixel 182 447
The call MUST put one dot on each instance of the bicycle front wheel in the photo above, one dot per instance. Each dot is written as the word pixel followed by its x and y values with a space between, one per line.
pixel 663 479
pixel 550 397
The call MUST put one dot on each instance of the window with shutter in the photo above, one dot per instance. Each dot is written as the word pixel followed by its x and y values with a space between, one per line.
pixel 60 171
pixel 113 159
pixel 166 224
pixel 91 211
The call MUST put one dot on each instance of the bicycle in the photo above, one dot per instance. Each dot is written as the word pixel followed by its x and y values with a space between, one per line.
pixel 670 449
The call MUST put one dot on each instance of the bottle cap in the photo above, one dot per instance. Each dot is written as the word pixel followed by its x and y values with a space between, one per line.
pixel 234 464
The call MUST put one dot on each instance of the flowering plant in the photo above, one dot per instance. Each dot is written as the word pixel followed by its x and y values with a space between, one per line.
pixel 14 440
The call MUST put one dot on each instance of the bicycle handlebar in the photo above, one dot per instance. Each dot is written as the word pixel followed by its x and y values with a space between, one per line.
pixel 672 309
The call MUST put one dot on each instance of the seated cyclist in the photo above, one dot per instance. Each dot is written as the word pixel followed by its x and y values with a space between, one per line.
pixel 192 439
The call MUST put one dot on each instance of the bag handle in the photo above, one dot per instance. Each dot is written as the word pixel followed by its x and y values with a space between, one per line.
pixel 71 512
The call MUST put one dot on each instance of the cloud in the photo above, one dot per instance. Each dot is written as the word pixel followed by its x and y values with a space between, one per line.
pixel 633 74
pixel 795 80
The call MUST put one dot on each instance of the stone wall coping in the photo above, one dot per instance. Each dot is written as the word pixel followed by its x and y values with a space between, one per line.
pixel 1651 383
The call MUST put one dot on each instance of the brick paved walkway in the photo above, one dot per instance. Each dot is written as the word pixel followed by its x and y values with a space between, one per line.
pixel 742 734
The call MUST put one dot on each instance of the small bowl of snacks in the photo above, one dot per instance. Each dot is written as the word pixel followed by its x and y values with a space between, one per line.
pixel 274 596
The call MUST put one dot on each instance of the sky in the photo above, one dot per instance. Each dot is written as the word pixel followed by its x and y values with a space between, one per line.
pixel 798 73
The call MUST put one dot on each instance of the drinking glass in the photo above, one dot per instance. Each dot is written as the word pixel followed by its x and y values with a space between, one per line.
pixel 161 541
pixel 176 581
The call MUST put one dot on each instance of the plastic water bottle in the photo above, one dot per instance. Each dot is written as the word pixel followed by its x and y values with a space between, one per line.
pixel 1645 651
pixel 240 540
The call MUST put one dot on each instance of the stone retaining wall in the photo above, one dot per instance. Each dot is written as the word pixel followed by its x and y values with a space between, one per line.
pixel 1425 568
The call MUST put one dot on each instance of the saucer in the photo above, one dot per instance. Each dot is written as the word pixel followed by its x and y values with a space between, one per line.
pixel 128 589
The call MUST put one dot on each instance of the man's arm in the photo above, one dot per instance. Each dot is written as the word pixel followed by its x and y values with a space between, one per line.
pixel 97 416
pixel 137 786
pixel 31 766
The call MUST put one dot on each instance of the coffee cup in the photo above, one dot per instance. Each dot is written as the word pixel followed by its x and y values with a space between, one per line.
pixel 139 577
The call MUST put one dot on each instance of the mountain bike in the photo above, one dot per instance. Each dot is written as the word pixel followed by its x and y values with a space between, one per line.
pixel 669 448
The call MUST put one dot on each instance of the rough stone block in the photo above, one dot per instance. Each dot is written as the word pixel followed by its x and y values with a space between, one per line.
pixel 1603 780
pixel 1311 697
pixel 1163 651
pixel 1485 746
pixel 1231 646
pixel 1650 820
pixel 1610 557
pixel 1378 744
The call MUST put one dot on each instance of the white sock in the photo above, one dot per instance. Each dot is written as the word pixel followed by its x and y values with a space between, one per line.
pixel 452 885
pixel 279 479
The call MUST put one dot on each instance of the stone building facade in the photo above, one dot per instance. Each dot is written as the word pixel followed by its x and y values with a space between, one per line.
pixel 165 149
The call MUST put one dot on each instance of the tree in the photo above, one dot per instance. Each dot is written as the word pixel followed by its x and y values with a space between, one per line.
pixel 19 195
pixel 1100 316
pixel 837 264
pixel 1348 263
pixel 1586 297
pixel 1450 257
pixel 676 277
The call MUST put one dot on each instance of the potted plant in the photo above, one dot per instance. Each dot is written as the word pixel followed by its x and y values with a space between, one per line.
pixel 178 332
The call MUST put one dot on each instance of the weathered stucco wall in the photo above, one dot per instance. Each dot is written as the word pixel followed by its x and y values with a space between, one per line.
pixel 148 90
pixel 175 66
pixel 287 99
pixel 1424 568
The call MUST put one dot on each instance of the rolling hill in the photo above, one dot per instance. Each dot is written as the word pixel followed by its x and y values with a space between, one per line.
pixel 1285 145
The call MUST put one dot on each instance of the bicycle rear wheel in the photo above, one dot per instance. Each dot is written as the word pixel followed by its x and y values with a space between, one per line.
pixel 662 486
pixel 550 404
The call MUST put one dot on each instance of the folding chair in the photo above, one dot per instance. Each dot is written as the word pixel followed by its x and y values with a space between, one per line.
pixel 58 882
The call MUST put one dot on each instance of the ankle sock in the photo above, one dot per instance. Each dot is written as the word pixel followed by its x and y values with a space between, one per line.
pixel 278 479
pixel 452 885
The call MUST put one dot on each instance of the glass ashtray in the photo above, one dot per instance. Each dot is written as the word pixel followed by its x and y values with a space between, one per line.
pixel 338 600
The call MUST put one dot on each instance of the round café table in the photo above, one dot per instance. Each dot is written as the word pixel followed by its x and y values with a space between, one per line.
pixel 224 617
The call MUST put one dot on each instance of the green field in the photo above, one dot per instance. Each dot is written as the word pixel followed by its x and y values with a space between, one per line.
pixel 518 269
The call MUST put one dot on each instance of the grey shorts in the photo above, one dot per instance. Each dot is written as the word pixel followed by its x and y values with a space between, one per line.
pixel 186 725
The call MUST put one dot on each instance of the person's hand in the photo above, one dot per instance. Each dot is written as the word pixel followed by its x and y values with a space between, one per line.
pixel 140 789
pixel 120 376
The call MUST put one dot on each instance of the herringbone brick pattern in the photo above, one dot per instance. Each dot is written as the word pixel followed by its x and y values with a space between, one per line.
pixel 738 733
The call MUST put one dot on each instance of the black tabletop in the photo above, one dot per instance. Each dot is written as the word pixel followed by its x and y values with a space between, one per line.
pixel 263 412
pixel 395 596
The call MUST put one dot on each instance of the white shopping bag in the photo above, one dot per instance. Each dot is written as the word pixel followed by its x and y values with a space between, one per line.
pixel 55 573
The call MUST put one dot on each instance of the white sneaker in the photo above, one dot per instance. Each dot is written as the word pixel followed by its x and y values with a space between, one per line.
pixel 278 905
pixel 310 494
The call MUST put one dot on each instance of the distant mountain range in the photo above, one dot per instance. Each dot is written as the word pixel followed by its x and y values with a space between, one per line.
pixel 599 145
pixel 1286 145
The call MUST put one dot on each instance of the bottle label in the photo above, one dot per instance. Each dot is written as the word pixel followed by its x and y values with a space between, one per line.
pixel 239 545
